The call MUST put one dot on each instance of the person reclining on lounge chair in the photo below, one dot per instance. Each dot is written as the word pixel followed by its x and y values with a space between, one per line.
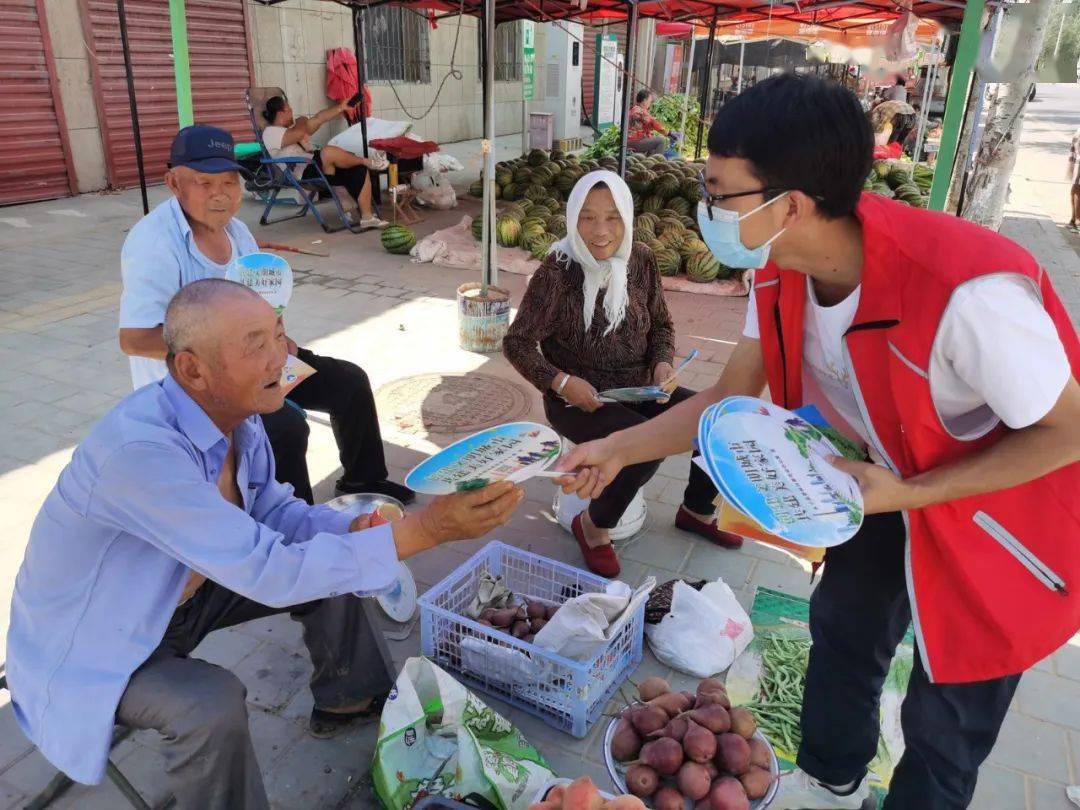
pixel 289 136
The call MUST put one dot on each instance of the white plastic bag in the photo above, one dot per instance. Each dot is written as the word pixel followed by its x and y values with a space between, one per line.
pixel 586 623
pixel 704 631
pixel 434 191
pixel 441 162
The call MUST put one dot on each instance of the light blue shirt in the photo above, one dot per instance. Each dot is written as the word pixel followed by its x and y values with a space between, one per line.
pixel 111 549
pixel 158 258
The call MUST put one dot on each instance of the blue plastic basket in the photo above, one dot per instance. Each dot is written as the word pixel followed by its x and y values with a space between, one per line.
pixel 566 694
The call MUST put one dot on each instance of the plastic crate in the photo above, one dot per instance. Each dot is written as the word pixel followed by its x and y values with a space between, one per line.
pixel 566 694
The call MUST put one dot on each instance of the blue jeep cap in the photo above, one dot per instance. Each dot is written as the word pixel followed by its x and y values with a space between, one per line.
pixel 204 149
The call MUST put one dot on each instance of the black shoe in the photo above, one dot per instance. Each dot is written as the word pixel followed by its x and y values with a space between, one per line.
pixel 324 725
pixel 402 493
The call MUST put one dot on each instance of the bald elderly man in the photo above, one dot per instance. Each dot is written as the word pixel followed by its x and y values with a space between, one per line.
pixel 167 525
pixel 195 234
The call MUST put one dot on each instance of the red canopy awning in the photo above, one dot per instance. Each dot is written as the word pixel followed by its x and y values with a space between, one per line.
pixel 836 14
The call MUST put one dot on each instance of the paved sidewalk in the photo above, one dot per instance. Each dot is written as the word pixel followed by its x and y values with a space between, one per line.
pixel 58 309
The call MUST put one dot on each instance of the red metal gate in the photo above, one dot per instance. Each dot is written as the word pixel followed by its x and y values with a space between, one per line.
pixel 35 158
pixel 221 69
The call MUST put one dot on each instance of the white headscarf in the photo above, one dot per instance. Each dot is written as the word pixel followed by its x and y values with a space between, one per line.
pixel 609 272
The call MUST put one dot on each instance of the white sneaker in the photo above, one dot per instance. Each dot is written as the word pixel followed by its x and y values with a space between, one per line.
pixel 373 222
pixel 800 791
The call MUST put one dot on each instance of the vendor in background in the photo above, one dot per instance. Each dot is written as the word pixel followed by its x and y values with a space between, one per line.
pixel 891 122
pixel 288 136
pixel 943 348
pixel 594 317
pixel 639 137
pixel 898 92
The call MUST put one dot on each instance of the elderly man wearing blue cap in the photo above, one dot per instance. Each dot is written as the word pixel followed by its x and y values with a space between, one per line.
pixel 195 235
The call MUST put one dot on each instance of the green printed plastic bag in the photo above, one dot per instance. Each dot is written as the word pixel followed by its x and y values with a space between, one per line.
pixel 436 738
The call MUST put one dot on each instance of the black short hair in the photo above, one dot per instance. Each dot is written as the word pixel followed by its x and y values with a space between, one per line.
pixel 642 95
pixel 900 80
pixel 274 105
pixel 800 133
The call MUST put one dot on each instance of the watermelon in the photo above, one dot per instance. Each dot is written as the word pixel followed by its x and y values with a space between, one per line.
pixel 504 177
pixel 702 267
pixel 691 190
pixel 541 245
pixel 646 221
pixel 653 204
pixel 541 211
pixel 692 246
pixel 510 191
pixel 535 193
pixel 688 222
pixel 397 239
pixel 680 205
pixel 565 182
pixel 556 225
pixel 533 221
pixel 523 175
pixel 668 261
pixel 477 188
pixel 666 186
pixel 515 211
pixel 525 205
pixel 897 177
pixel 478 228
pixel 507 231
pixel 537 157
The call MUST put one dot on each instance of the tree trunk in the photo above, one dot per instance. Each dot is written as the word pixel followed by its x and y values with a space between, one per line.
pixel 988 186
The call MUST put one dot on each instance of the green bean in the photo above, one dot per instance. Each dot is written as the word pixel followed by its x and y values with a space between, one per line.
pixel 781 686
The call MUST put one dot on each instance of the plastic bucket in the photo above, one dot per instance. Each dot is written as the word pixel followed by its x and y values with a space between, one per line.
pixel 482 320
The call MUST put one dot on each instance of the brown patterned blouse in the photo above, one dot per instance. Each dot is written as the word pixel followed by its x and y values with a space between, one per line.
pixel 548 335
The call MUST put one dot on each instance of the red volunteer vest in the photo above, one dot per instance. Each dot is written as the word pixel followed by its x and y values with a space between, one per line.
pixel 993 579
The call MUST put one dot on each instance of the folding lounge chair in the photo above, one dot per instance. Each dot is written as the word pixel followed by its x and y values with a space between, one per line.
pixel 280 174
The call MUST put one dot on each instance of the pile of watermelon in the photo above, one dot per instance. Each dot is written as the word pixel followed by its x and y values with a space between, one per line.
pixel 534 189
pixel 907 182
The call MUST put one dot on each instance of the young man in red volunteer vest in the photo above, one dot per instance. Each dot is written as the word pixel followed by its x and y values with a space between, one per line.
pixel 942 348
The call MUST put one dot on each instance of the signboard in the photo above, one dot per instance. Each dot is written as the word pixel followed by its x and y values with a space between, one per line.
pixel 528 60
pixel 605 85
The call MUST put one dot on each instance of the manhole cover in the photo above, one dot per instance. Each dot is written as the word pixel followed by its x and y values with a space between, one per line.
pixel 450 403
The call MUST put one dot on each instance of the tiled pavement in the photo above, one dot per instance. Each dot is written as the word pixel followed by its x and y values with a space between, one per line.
pixel 58 306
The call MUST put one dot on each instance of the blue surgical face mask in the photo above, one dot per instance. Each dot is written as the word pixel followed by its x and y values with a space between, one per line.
pixel 721 234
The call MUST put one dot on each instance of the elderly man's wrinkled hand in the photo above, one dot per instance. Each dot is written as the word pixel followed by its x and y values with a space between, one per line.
pixel 465 515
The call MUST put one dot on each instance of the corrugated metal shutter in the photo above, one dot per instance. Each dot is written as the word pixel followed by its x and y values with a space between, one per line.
pixel 220 71
pixel 588 63
pixel 35 161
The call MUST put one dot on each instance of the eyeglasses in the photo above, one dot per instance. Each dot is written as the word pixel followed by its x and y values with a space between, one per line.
pixel 715 199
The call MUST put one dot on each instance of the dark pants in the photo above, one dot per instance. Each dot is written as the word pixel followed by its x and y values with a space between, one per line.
pixel 656 145
pixel 858 614
pixel 579 426
pixel 200 707
pixel 342 390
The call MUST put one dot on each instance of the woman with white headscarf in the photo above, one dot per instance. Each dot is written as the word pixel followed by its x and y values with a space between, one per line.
pixel 594 318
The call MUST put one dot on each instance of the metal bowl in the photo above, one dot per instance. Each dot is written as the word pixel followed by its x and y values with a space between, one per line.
pixel 363 503
pixel 615 769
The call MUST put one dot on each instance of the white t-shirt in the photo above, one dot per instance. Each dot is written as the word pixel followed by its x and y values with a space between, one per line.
pixel 996 356
pixel 273 136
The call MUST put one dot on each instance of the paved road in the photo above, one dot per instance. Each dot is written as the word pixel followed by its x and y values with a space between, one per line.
pixel 1049 124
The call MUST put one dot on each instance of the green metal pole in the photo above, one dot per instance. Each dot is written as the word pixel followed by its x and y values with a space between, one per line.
pixel 959 83
pixel 181 62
